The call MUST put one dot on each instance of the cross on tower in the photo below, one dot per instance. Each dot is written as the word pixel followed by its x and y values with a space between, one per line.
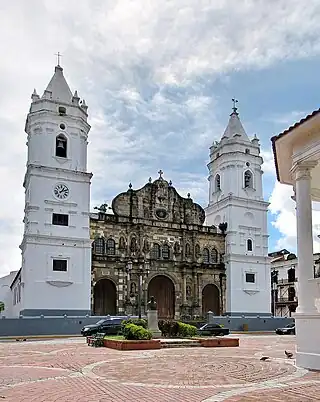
pixel 160 174
pixel 235 101
pixel 58 55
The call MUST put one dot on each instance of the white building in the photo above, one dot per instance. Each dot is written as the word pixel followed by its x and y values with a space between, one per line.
pixel 284 275
pixel 297 154
pixel 55 277
pixel 5 293
pixel 236 197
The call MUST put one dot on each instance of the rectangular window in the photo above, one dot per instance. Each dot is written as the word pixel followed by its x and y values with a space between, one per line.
pixel 250 278
pixel 60 219
pixel 60 265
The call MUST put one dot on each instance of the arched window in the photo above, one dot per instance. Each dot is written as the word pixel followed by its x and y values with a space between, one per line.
pixel 248 179
pixel 61 146
pixel 165 252
pixel 99 245
pixel 155 251
pixel 188 251
pixel 214 256
pixel 217 183
pixel 249 245
pixel 111 247
pixel 62 111
pixel 247 151
pixel 205 255
pixel 197 250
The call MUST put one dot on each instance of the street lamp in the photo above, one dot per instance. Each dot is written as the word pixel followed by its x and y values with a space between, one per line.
pixel 142 271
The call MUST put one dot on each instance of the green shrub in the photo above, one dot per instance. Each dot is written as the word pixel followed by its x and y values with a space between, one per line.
pixel 136 321
pixel 186 330
pixel 172 329
pixel 136 332
pixel 168 328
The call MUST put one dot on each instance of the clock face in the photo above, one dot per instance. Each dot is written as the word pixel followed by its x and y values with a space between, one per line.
pixel 61 191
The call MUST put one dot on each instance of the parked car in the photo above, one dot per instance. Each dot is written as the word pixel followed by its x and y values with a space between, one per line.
pixel 108 326
pixel 213 329
pixel 289 329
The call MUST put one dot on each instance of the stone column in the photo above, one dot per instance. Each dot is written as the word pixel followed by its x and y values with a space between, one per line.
pixel 304 237
pixel 184 287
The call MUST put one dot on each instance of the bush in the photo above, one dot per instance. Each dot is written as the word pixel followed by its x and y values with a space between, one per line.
pixel 136 332
pixel 136 321
pixel 171 328
pixel 186 330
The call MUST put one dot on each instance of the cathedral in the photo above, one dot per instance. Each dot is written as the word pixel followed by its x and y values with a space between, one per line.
pixel 150 242
pixel 155 244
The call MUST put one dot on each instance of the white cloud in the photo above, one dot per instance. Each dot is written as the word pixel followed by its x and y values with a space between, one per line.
pixel 284 209
pixel 145 69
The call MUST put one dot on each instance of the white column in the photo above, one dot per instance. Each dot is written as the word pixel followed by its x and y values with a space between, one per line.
pixel 304 237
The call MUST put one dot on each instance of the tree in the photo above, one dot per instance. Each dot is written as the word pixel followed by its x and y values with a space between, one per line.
pixel 1 306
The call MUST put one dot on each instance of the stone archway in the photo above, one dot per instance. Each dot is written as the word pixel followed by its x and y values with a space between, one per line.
pixel 210 300
pixel 162 288
pixel 105 298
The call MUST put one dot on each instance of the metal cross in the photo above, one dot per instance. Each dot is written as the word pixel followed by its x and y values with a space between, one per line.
pixel 58 55
pixel 160 173
pixel 235 101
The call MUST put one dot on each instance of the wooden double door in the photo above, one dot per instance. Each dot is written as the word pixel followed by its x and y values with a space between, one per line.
pixel 162 288
pixel 105 298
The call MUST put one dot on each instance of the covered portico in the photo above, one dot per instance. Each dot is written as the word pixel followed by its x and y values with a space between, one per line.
pixel 297 160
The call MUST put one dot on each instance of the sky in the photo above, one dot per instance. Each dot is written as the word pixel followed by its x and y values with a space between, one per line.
pixel 158 77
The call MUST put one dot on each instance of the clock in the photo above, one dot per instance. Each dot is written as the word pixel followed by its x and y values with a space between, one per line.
pixel 61 191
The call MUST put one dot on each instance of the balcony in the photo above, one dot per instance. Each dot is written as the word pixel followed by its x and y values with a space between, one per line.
pixel 286 281
pixel 286 300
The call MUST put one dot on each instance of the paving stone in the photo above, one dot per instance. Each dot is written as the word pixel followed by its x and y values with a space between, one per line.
pixel 69 370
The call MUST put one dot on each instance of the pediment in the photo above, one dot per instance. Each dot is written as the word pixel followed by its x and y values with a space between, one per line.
pixel 158 200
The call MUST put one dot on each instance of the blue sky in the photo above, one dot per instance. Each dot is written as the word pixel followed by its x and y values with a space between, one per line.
pixel 158 78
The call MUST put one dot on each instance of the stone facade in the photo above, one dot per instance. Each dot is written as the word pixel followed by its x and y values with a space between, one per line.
pixel 155 244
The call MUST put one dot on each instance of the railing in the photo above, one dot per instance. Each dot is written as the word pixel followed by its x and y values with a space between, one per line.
pixel 286 281
pixel 286 300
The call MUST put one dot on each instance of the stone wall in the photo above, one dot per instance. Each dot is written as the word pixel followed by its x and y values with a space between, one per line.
pixel 72 325
pixel 253 323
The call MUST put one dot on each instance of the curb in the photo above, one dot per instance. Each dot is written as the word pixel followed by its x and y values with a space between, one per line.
pixel 5 338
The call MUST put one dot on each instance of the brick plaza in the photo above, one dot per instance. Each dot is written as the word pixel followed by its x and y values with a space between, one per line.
pixel 69 370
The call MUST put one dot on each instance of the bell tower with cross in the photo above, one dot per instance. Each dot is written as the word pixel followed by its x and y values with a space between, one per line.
pixel 56 246
pixel 236 197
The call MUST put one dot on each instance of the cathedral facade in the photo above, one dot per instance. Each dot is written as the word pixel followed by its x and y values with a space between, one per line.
pixel 155 243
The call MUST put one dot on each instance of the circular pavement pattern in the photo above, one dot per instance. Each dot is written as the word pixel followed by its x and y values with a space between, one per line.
pixel 70 370
pixel 205 369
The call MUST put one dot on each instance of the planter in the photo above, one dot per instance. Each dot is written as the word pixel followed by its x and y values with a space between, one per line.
pixel 219 342
pixel 89 340
pixel 132 345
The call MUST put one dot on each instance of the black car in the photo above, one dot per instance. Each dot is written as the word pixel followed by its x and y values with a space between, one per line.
pixel 108 326
pixel 289 329
pixel 213 329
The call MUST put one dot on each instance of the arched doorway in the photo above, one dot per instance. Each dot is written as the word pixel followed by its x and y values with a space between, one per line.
pixel 105 298
pixel 210 300
pixel 162 288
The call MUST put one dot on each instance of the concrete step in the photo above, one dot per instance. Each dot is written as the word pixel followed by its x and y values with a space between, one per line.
pixel 180 344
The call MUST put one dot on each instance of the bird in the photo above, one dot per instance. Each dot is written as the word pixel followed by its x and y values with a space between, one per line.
pixel 288 354
pixel 264 358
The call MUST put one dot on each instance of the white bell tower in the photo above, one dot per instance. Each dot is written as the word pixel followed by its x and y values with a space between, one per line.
pixel 236 197
pixel 55 276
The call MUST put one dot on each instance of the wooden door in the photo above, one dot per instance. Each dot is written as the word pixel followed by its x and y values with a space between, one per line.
pixel 210 300
pixel 105 298
pixel 162 288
